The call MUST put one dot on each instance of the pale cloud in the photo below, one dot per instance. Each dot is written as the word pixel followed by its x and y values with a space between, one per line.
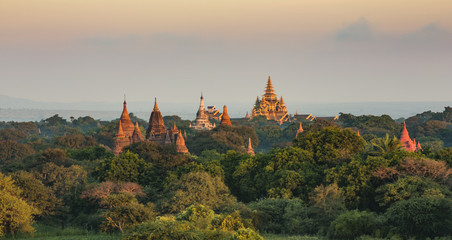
pixel 360 30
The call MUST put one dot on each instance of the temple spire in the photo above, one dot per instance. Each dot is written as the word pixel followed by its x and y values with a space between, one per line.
pixel 120 132
pixel 126 123
pixel 156 123
pixel 225 120
pixel 250 147
pixel 300 130
pixel 281 101
pixel 180 143
pixel 269 88
pixel 201 104
pixel 156 108
pixel 137 136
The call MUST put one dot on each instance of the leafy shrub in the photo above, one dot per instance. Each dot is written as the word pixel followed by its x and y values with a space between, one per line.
pixel 353 224
pixel 199 215
pixel 246 234
pixel 421 217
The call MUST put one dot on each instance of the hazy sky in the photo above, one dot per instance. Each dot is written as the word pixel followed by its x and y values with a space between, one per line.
pixel 314 50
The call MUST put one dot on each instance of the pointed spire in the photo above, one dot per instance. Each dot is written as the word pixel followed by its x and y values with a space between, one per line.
pixel 201 104
pixel 120 132
pixel 405 139
pixel 225 120
pixel 419 146
pixel 127 124
pixel 137 136
pixel 247 116
pixel 175 127
pixel 358 133
pixel 300 130
pixel 180 143
pixel 250 147
pixel 185 134
pixel 156 108
pixel 156 123
pixel 282 101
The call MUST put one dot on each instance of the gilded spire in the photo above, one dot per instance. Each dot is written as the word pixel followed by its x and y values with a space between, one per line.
pixel 250 147
pixel 225 120
pixel 300 130
pixel 269 88
pixel 281 101
pixel 156 108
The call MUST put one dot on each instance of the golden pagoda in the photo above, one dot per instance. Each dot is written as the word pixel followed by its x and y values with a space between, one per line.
pixel 270 106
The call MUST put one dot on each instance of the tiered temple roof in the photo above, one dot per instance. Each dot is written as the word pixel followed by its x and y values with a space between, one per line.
pixel 270 106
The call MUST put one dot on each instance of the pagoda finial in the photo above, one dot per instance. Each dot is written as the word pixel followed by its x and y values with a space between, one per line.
pixel 125 99
pixel 156 108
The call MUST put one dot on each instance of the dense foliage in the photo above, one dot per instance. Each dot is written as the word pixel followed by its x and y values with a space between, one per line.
pixel 328 181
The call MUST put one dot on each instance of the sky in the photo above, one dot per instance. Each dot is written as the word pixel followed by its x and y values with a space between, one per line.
pixel 315 50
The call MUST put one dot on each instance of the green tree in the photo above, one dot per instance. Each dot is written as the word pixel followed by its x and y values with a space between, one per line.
pixel 355 178
pixel 90 153
pixel 15 213
pixel 353 224
pixel 386 145
pixel 128 167
pixel 14 152
pixel 12 134
pixel 201 216
pixel 421 217
pixel 331 145
pixel 54 155
pixel 36 194
pixel 124 211
pixel 75 141
pixel 196 187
